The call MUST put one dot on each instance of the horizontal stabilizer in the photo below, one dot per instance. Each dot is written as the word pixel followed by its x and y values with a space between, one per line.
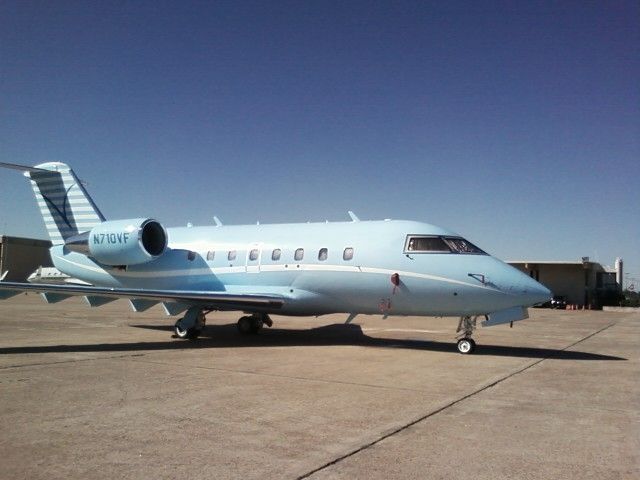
pixel 97 301
pixel 508 315
pixel 54 297
pixel 22 168
pixel 138 305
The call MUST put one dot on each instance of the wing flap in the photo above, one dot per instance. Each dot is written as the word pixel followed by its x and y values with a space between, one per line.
pixel 213 300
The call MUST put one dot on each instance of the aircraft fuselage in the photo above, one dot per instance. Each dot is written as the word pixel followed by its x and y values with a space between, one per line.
pixel 320 268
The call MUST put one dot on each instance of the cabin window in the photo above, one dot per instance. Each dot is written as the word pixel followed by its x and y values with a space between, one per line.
pixel 210 255
pixel 299 255
pixel 232 255
pixel 253 254
pixel 323 254
pixel 431 244
pixel 460 245
pixel 276 254
pixel 347 254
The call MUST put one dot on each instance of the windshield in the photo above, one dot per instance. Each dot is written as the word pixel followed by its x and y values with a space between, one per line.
pixel 437 244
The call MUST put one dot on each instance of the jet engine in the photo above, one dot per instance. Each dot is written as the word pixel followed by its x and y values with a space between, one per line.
pixel 121 242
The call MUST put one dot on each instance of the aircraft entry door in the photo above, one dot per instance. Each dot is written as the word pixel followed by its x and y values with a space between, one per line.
pixel 254 255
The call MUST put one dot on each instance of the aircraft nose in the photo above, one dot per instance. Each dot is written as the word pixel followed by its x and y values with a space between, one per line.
pixel 521 288
pixel 530 291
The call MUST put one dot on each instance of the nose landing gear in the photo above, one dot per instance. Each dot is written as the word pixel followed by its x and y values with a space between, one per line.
pixel 466 326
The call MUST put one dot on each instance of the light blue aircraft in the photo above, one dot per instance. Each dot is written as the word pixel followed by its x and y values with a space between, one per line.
pixel 385 267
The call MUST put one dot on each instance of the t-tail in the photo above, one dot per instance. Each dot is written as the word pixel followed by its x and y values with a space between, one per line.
pixel 66 207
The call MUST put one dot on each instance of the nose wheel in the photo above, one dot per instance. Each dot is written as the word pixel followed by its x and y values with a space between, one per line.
pixel 466 345
pixel 466 326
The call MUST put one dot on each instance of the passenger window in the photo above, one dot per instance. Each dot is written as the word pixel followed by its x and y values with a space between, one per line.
pixel 210 255
pixel 232 255
pixel 299 255
pixel 275 255
pixel 426 244
pixel 323 254
pixel 253 254
pixel 347 254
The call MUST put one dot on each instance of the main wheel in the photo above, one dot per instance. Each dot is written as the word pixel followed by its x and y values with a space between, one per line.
pixel 466 345
pixel 256 325
pixel 185 333
pixel 245 325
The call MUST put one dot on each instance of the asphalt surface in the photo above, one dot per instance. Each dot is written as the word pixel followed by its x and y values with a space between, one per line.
pixel 107 393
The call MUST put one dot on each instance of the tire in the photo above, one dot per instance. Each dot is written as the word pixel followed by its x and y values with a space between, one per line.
pixel 245 325
pixel 185 333
pixel 180 331
pixel 466 346
pixel 256 325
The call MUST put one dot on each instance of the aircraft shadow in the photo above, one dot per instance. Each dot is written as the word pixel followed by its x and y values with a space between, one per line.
pixel 226 336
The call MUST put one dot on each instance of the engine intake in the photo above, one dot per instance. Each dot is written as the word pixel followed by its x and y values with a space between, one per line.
pixel 122 242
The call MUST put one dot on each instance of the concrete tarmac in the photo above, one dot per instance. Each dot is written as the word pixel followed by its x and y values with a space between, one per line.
pixel 106 393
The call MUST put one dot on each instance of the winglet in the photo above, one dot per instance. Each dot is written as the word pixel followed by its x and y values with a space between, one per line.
pixel 4 275
pixel 354 217
pixel 217 221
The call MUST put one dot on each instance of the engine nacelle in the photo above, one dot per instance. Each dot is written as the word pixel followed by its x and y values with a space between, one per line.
pixel 122 242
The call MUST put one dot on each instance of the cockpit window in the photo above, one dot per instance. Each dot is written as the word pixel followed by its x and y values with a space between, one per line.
pixel 418 244
pixel 436 244
pixel 460 245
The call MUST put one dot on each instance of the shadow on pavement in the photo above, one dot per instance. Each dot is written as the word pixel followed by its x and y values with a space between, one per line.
pixel 226 336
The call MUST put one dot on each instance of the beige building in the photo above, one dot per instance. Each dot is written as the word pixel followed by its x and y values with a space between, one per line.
pixel 19 257
pixel 581 283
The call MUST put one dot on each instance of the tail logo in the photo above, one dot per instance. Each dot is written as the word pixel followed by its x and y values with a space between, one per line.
pixel 65 202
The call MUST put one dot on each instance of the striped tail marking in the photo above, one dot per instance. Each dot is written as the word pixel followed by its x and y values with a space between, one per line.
pixel 66 207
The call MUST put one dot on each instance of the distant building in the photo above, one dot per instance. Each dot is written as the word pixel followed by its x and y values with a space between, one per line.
pixel 581 283
pixel 21 256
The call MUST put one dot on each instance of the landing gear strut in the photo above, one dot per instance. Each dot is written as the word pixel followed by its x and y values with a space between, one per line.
pixel 252 324
pixel 191 325
pixel 466 326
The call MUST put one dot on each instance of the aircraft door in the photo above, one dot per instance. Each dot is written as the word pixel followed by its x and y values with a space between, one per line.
pixel 254 255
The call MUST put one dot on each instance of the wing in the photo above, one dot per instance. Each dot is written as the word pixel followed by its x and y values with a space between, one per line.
pixel 96 296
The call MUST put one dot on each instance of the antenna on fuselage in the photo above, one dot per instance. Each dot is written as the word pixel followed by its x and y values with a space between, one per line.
pixel 354 217
pixel 217 221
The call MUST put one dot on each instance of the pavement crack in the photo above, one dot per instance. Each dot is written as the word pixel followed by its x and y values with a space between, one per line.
pixel 410 424
pixel 289 377
pixel 39 364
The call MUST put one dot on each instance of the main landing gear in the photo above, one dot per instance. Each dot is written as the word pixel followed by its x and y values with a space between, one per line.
pixel 190 326
pixel 252 324
pixel 466 326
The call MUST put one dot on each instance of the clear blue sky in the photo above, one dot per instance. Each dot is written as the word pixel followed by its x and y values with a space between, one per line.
pixel 516 124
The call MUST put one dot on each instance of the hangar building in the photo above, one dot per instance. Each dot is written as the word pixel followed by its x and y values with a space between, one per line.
pixel 19 257
pixel 582 283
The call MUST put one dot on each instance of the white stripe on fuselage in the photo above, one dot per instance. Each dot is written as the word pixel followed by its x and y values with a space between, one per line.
pixel 273 268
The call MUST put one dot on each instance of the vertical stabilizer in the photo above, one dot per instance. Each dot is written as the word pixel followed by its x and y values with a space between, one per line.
pixel 66 207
